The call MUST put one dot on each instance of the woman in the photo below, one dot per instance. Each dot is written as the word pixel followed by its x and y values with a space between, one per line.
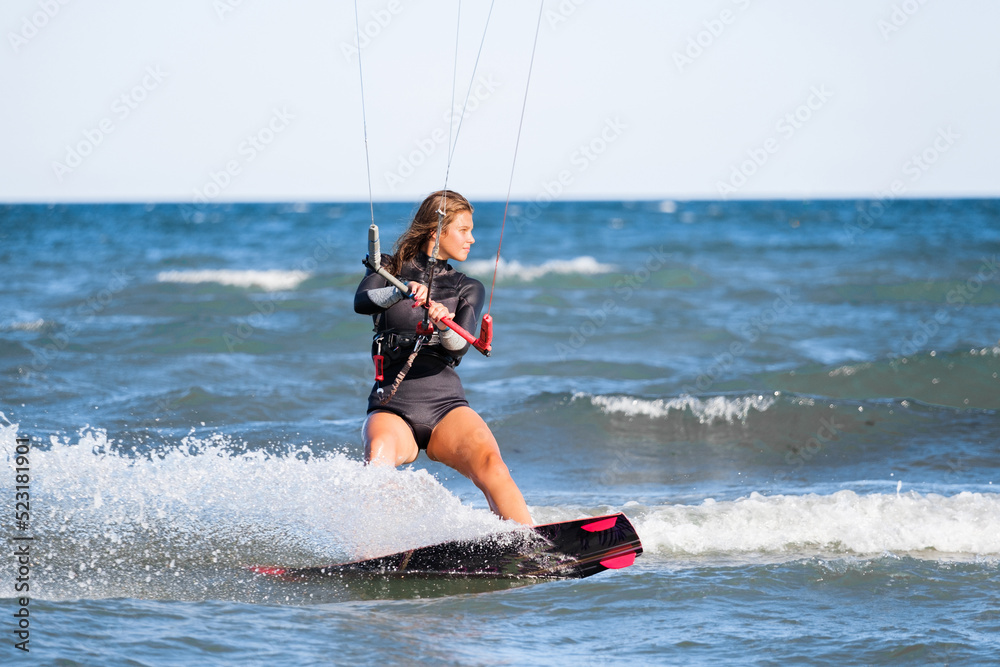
pixel 428 409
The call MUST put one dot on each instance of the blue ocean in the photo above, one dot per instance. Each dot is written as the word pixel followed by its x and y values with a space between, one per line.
pixel 795 403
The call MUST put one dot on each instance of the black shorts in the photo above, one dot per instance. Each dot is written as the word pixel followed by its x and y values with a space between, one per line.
pixel 430 391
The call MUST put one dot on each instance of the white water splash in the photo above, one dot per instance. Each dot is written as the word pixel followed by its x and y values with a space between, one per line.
pixel 707 410
pixel 926 525
pixel 516 271
pixel 204 501
pixel 24 325
pixel 271 281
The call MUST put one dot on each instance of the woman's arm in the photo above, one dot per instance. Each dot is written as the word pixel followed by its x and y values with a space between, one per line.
pixel 375 294
pixel 471 297
pixel 363 301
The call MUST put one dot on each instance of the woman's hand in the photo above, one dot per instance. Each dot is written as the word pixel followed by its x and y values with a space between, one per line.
pixel 436 311
pixel 418 290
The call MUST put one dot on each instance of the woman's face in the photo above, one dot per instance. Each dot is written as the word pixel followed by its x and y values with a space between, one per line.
pixel 456 239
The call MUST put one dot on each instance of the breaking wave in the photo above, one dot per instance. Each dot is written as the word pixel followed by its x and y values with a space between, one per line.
pixel 514 270
pixel 707 410
pixel 845 522
pixel 271 281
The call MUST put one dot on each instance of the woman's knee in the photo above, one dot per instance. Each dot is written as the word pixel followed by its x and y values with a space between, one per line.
pixel 390 452
pixel 490 470
pixel 380 451
pixel 388 443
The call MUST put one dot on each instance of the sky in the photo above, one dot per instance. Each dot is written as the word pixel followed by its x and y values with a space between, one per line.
pixel 251 100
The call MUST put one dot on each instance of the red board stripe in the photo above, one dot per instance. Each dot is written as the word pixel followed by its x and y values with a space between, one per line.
pixel 603 524
pixel 272 571
pixel 618 562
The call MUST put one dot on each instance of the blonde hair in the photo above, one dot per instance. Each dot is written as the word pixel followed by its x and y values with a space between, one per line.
pixel 412 242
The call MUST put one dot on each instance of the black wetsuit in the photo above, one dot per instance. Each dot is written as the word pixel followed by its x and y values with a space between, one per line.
pixel 431 388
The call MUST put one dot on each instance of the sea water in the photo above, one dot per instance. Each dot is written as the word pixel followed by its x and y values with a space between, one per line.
pixel 796 404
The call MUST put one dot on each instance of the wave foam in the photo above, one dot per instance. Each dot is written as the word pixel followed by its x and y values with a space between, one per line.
pixel 708 410
pixel 516 271
pixel 844 522
pixel 271 281
pixel 25 325
pixel 103 512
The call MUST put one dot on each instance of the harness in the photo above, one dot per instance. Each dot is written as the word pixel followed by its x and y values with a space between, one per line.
pixel 393 346
pixel 396 346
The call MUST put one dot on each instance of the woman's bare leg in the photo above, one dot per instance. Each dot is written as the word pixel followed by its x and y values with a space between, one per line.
pixel 463 441
pixel 388 440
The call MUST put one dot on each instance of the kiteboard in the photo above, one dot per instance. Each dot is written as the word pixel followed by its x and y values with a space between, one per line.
pixel 567 549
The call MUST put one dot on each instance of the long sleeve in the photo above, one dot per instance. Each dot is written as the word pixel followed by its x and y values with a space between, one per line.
pixel 363 302
pixel 461 294
pixel 471 297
